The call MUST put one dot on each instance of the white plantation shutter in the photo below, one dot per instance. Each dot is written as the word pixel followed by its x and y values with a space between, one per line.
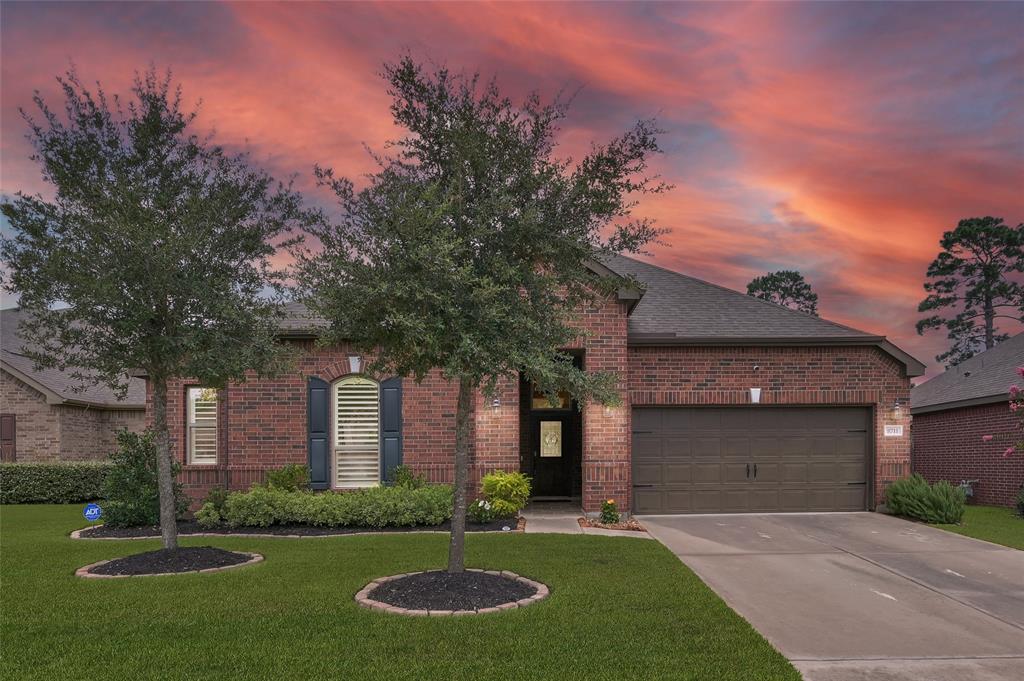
pixel 202 426
pixel 356 432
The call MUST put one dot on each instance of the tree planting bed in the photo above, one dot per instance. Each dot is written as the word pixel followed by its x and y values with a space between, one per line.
pixel 166 562
pixel 438 592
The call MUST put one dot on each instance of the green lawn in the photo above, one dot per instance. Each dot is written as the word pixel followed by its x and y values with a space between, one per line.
pixel 992 523
pixel 620 608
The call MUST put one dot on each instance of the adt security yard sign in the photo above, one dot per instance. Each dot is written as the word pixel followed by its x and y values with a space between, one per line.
pixel 92 512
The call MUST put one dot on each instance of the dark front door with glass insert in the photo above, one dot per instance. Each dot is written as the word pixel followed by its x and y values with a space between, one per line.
pixel 554 446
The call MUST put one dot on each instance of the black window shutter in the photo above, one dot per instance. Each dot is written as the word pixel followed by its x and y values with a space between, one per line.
pixel 390 427
pixel 319 402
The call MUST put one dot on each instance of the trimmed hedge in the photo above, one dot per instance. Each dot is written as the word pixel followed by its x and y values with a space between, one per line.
pixel 52 483
pixel 375 507
pixel 914 498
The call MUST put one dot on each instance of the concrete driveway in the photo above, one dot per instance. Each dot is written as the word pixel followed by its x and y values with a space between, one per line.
pixel 858 596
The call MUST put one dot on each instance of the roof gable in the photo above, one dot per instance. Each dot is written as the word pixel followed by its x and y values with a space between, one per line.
pixel 58 386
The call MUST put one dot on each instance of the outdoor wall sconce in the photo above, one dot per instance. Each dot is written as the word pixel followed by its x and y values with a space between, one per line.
pixel 355 364
pixel 495 403
pixel 755 396
pixel 897 408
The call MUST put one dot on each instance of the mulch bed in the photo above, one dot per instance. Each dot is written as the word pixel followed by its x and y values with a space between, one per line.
pixel 185 559
pixel 191 527
pixel 630 524
pixel 439 590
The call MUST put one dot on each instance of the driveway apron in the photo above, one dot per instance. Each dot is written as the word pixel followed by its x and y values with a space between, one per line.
pixel 857 596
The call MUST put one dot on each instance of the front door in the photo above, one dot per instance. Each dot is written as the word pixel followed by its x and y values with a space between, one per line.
pixel 553 452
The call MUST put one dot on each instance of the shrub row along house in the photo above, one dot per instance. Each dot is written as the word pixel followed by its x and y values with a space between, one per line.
pixel 729 404
pixel 963 425
pixel 44 417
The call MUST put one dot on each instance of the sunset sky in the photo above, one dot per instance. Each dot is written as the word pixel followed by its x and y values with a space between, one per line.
pixel 837 139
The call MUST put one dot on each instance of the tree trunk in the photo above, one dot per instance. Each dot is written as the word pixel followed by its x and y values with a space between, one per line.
pixel 165 481
pixel 990 324
pixel 457 544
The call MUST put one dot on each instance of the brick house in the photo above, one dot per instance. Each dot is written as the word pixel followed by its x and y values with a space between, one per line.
pixel 955 410
pixel 689 436
pixel 44 418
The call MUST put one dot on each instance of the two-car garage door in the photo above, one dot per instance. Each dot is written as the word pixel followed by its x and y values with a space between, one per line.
pixel 750 459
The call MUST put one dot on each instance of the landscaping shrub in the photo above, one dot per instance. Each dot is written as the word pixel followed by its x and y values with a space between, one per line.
pixel 131 491
pixel 375 507
pixel 52 483
pixel 1020 502
pixel 610 512
pixel 212 512
pixel 403 476
pixel 290 478
pixel 914 498
pixel 507 492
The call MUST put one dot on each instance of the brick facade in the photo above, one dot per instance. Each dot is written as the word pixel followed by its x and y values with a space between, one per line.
pixel 811 376
pixel 948 445
pixel 62 432
pixel 263 422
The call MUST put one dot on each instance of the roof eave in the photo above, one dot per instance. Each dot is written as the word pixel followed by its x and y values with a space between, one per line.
pixel 55 398
pixel 960 404
pixel 912 366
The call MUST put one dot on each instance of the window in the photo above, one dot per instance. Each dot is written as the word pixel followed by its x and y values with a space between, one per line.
pixel 539 400
pixel 202 426
pixel 356 432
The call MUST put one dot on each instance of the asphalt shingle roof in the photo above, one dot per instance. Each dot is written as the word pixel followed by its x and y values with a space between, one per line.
pixel 679 306
pixel 987 375
pixel 61 382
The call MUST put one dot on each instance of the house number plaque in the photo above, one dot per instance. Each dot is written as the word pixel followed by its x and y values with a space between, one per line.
pixel 551 438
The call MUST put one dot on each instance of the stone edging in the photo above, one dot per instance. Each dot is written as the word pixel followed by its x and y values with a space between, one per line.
pixel 77 534
pixel 363 597
pixel 84 571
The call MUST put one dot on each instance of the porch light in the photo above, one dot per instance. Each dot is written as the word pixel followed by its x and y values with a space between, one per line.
pixel 755 396
pixel 495 403
pixel 355 364
pixel 897 408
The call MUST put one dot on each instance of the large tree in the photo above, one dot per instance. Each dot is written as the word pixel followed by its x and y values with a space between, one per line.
pixel 971 285
pixel 468 250
pixel 787 288
pixel 152 251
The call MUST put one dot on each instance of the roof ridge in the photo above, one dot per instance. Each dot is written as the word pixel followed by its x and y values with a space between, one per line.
pixel 747 295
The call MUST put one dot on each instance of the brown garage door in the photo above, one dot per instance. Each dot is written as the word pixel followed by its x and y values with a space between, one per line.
pixel 756 459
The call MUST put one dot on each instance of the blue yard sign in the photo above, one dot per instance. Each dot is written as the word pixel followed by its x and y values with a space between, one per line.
pixel 92 512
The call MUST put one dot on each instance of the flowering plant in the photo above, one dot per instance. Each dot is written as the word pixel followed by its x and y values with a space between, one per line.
pixel 480 511
pixel 609 512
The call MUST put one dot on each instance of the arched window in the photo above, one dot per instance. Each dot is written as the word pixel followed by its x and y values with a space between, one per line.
pixel 356 432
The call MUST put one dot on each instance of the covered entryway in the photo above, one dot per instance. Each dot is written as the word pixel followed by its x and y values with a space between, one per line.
pixel 750 459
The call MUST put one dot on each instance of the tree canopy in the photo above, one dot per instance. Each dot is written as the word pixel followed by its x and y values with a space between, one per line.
pixel 153 252
pixel 468 250
pixel 787 288
pixel 971 286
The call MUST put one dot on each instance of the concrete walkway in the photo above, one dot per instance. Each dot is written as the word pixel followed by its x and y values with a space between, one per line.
pixel 858 596
pixel 563 518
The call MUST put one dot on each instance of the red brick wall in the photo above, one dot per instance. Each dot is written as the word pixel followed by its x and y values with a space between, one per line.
pixel 263 423
pixel 948 445
pixel 787 375
pixel 61 432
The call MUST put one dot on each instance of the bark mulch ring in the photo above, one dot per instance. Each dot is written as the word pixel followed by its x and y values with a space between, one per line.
pixel 437 592
pixel 163 562
pixel 630 524
pixel 190 527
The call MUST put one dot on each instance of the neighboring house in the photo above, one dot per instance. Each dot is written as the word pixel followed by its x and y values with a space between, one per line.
pixel 955 410
pixel 687 438
pixel 43 417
